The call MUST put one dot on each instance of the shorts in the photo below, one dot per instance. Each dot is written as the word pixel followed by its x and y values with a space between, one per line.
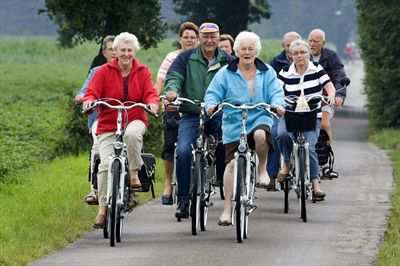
pixel 328 109
pixel 171 124
pixel 232 147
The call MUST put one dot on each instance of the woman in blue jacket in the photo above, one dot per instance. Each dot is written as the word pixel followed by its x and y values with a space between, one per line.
pixel 246 80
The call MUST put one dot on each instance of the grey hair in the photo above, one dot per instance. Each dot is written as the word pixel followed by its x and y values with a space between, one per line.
pixel 247 35
pixel 290 34
pixel 126 37
pixel 298 43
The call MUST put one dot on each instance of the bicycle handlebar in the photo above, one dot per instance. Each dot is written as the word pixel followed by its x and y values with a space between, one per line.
pixel 266 107
pixel 121 107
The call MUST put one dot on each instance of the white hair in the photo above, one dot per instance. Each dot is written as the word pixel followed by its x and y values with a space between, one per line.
pixel 299 43
pixel 126 37
pixel 247 35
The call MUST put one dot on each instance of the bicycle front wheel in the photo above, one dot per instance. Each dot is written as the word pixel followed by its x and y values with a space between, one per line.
pixel 240 193
pixel 116 173
pixel 303 189
pixel 195 201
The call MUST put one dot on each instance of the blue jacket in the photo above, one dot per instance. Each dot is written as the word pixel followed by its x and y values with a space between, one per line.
pixel 93 115
pixel 229 85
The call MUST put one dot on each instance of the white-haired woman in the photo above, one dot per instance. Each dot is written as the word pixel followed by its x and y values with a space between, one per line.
pixel 303 78
pixel 247 80
pixel 125 79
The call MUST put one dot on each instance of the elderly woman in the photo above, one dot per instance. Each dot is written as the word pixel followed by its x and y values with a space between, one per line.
pixel 303 78
pixel 226 43
pixel 246 80
pixel 125 79
pixel 188 39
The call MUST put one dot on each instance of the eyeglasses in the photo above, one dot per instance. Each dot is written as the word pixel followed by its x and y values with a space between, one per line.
pixel 296 53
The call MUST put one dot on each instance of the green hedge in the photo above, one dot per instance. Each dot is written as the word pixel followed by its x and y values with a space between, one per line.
pixel 379 30
pixel 39 119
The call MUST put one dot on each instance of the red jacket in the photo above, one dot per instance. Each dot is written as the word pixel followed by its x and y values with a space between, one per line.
pixel 108 83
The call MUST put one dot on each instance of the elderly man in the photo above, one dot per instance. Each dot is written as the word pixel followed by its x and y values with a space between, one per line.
pixel 189 76
pixel 331 63
pixel 284 59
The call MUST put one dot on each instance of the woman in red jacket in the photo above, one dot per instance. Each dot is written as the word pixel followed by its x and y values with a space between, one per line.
pixel 125 79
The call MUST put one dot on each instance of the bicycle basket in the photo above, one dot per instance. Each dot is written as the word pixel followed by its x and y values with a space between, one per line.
pixel 147 172
pixel 303 121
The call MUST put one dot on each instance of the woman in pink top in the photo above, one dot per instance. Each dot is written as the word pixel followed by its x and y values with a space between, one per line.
pixel 189 34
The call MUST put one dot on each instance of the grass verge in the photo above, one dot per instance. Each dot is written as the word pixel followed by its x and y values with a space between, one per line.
pixel 389 251
pixel 42 211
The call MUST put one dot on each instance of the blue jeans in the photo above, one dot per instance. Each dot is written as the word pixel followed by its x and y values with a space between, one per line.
pixel 285 144
pixel 274 156
pixel 187 134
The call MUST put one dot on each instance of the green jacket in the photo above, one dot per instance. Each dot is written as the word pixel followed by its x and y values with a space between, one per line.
pixel 189 76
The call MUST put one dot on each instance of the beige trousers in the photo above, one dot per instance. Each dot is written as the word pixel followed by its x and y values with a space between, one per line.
pixel 133 137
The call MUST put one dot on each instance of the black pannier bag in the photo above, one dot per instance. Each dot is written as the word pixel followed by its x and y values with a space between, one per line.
pixel 326 157
pixel 147 173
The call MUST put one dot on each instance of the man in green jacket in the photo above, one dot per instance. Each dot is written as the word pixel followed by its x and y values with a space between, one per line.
pixel 189 77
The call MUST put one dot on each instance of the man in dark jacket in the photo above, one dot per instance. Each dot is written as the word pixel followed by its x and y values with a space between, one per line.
pixel 283 59
pixel 280 61
pixel 331 63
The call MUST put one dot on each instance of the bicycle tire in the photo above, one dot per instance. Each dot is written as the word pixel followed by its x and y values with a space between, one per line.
pixel 286 192
pixel 118 225
pixel 205 200
pixel 239 207
pixel 221 191
pixel 303 190
pixel 116 173
pixel 195 197
pixel 105 228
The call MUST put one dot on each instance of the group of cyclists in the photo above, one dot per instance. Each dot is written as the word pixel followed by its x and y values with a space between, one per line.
pixel 212 68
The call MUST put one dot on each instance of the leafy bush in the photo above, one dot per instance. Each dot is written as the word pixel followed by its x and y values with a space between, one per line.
pixel 379 29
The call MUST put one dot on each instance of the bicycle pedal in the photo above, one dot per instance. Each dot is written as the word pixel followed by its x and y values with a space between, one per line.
pixel 251 209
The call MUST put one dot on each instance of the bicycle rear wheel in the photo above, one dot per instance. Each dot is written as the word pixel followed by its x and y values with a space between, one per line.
pixel 240 211
pixel 303 189
pixel 195 201
pixel 116 172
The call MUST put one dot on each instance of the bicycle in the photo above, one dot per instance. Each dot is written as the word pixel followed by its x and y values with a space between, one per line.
pixel 119 192
pixel 246 171
pixel 299 177
pixel 203 172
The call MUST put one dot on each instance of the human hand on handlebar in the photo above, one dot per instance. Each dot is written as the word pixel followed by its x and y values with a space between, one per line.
pixel 153 107
pixel 210 110
pixel 280 110
pixel 338 101
pixel 171 95
pixel 86 105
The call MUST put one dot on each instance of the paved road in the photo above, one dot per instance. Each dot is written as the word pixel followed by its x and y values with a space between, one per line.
pixel 343 230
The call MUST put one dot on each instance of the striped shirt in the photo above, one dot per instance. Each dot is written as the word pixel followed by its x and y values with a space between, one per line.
pixel 311 82
pixel 166 63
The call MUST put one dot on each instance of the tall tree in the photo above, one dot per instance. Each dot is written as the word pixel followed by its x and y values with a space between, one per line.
pixel 231 16
pixel 79 20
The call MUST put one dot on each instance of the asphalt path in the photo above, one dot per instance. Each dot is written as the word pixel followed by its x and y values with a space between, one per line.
pixel 346 229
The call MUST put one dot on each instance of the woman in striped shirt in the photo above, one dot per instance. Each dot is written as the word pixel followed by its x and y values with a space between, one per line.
pixel 303 78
